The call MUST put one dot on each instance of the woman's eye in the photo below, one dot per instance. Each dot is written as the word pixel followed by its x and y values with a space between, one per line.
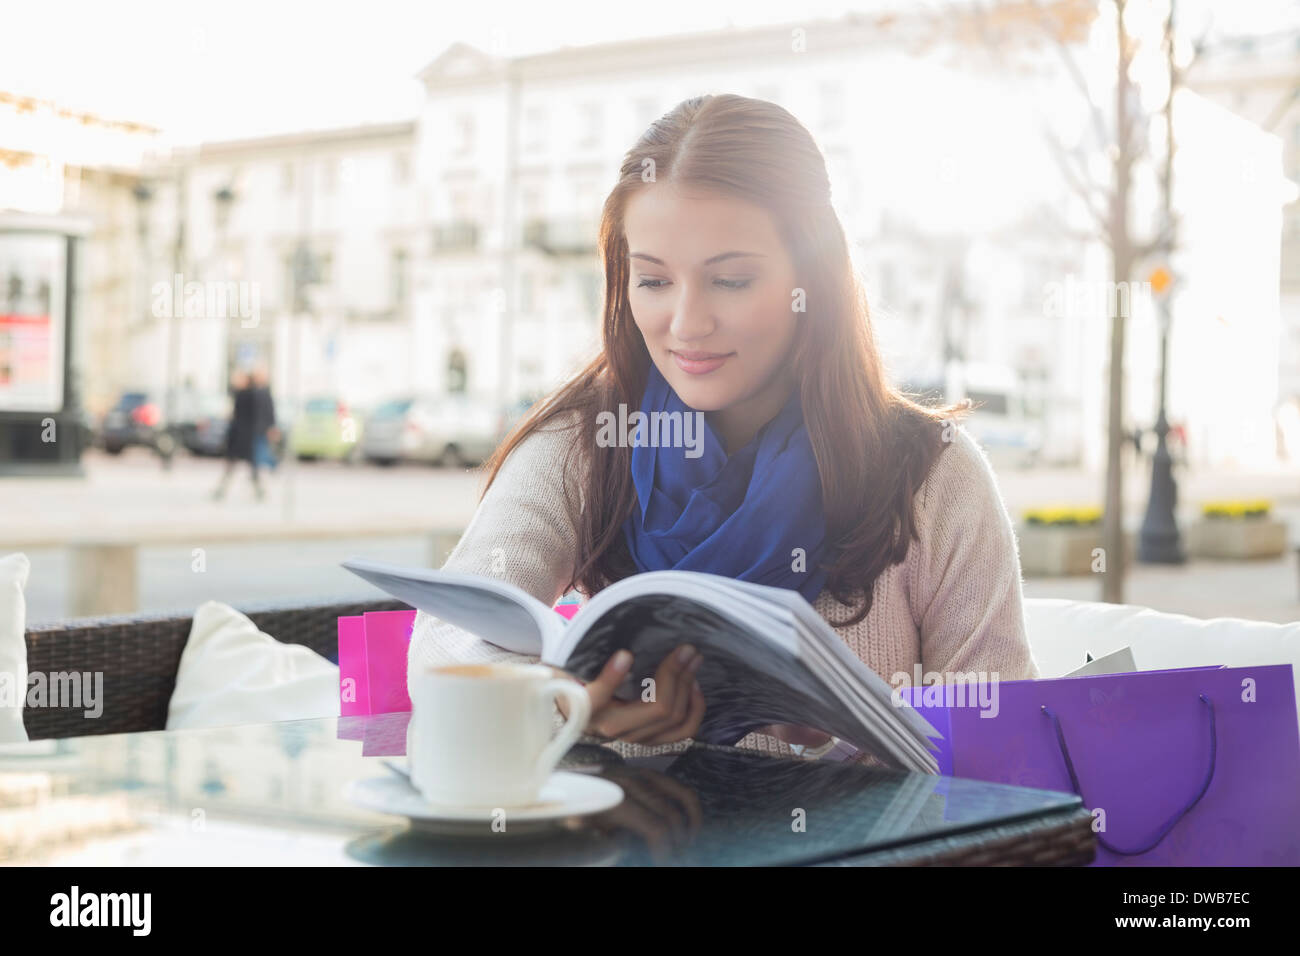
pixel 724 283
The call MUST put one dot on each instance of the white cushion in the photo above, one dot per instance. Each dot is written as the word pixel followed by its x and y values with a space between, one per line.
pixel 1061 634
pixel 232 673
pixel 14 569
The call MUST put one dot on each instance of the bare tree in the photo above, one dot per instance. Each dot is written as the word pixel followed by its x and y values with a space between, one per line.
pixel 1122 138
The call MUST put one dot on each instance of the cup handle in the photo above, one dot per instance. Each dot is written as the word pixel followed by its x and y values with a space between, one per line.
pixel 579 714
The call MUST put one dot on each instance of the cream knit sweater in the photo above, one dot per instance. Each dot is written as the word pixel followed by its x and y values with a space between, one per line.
pixel 953 605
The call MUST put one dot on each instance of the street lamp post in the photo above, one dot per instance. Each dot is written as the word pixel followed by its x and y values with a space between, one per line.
pixel 306 275
pixel 222 200
pixel 1159 541
pixel 167 442
pixel 510 240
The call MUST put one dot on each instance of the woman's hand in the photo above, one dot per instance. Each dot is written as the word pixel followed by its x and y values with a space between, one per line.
pixel 674 714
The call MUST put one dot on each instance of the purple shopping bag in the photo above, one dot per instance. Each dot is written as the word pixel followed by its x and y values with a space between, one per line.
pixel 936 702
pixel 1194 767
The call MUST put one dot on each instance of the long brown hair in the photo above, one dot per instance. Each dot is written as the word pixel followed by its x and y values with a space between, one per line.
pixel 874 446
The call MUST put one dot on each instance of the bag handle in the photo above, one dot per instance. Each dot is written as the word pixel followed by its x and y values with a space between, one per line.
pixel 1164 831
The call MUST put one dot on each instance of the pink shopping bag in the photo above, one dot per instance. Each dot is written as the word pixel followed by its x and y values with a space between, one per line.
pixel 373 661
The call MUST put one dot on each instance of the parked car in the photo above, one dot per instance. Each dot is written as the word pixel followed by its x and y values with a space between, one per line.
pixel 1001 427
pixel 203 424
pixel 136 419
pixel 998 421
pixel 325 428
pixel 440 429
pixel 393 433
pixel 514 412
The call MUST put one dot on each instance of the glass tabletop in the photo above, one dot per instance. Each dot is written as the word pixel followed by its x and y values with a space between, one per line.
pixel 276 794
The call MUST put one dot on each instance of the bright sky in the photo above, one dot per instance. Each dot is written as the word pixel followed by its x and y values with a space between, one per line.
pixel 221 68
pixel 238 67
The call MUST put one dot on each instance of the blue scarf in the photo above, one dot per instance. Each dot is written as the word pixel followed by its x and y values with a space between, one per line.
pixel 740 516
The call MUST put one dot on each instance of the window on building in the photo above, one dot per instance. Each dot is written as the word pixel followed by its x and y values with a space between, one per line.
pixel 832 104
pixel 398 277
pixel 534 129
pixel 589 124
pixel 593 283
pixel 530 203
pixel 462 205
pixel 526 286
pixel 991 403
pixel 464 134
pixel 286 178
pixel 646 111
pixel 317 270
pixel 457 372
pixel 586 200
pixel 888 283
pixel 288 281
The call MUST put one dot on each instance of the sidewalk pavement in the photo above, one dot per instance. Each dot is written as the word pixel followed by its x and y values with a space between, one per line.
pixel 1265 590
pixel 131 498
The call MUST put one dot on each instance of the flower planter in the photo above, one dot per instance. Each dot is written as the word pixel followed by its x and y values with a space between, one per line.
pixel 1237 538
pixel 1048 550
pixel 1063 550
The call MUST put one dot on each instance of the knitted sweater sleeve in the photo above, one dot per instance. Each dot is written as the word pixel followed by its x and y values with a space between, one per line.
pixel 965 587
pixel 520 533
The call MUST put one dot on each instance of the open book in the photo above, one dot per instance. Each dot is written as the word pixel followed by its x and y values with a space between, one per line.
pixel 769 658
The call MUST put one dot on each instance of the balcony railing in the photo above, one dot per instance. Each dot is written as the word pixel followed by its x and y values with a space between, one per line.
pixel 456 236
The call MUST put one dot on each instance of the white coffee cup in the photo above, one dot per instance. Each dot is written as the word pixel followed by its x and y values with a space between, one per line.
pixel 480 734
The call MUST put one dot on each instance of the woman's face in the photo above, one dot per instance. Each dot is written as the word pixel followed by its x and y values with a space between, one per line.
pixel 710 286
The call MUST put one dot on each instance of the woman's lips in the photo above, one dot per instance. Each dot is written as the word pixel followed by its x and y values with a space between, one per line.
pixel 700 363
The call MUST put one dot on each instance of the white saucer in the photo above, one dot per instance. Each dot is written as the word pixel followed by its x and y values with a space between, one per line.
pixel 564 795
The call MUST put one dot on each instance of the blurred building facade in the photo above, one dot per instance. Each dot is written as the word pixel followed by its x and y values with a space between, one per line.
pixel 317 232
pixel 56 159
pixel 457 251
pixel 1258 79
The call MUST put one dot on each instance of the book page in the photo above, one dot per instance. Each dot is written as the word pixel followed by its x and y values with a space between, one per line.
pixel 496 611
pixel 747 681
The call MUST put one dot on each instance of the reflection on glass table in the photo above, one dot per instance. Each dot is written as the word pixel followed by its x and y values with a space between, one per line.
pixel 274 794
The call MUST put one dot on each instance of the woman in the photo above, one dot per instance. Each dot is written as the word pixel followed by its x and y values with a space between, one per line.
pixel 252 414
pixel 729 291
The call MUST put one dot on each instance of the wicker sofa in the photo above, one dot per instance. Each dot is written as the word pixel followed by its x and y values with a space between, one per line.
pixel 140 654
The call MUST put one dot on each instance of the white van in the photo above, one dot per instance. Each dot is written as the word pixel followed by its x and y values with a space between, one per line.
pixel 998 420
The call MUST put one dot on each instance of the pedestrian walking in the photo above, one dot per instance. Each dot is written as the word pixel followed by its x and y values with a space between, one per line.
pixel 246 426
pixel 265 430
